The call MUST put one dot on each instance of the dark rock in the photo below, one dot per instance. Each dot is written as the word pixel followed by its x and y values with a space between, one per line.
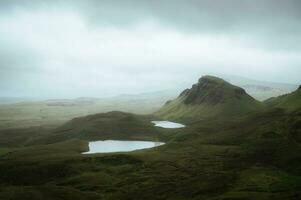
pixel 239 92
pixel 211 90
pixel 184 92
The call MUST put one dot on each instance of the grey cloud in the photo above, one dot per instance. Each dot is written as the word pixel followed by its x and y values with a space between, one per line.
pixel 121 46
pixel 273 24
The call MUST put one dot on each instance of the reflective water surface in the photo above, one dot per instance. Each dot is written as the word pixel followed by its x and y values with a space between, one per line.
pixel 168 124
pixel 109 146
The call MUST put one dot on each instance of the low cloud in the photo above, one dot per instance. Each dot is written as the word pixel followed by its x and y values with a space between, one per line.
pixel 69 49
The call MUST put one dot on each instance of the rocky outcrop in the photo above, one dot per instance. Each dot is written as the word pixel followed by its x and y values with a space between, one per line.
pixel 211 90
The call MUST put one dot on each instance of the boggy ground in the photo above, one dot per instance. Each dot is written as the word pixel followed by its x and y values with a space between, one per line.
pixel 256 156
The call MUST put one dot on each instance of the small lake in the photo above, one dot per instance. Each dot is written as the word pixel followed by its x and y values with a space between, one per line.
pixel 111 146
pixel 168 124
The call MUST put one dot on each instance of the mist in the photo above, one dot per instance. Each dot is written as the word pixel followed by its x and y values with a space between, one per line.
pixel 55 49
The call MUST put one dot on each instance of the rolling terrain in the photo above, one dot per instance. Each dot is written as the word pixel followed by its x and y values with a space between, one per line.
pixel 55 112
pixel 26 112
pixel 233 147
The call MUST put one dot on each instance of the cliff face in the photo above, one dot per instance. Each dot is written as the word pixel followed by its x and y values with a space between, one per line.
pixel 211 90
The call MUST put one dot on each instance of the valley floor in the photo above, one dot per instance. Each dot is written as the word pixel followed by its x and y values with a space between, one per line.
pixel 254 157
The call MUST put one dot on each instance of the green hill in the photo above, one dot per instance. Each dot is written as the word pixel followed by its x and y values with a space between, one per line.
pixel 211 97
pixel 111 125
pixel 289 102
pixel 256 156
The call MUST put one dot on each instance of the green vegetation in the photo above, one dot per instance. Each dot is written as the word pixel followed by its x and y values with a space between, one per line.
pixel 112 125
pixel 55 112
pixel 211 97
pixel 289 102
pixel 249 155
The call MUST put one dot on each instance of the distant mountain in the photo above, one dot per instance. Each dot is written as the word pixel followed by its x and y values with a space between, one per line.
pixel 162 94
pixel 211 97
pixel 260 90
pixel 11 100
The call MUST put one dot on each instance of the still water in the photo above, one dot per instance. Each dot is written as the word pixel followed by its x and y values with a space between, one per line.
pixel 168 124
pixel 109 146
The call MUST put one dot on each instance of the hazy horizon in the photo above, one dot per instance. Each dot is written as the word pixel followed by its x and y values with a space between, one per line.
pixel 171 91
pixel 67 49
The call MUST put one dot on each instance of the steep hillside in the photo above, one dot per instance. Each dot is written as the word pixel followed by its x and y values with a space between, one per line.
pixel 211 97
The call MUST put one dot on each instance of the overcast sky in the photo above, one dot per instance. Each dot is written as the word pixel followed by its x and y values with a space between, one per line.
pixel 75 48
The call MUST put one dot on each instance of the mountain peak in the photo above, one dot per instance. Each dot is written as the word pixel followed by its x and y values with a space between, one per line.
pixel 211 90
pixel 299 88
pixel 213 79
pixel 210 97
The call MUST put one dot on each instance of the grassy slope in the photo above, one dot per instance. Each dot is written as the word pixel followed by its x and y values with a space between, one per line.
pixel 255 156
pixel 290 102
pixel 229 107
pixel 251 157
pixel 176 110
pixel 112 125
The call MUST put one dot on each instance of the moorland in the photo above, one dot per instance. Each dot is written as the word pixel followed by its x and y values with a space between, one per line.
pixel 233 147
